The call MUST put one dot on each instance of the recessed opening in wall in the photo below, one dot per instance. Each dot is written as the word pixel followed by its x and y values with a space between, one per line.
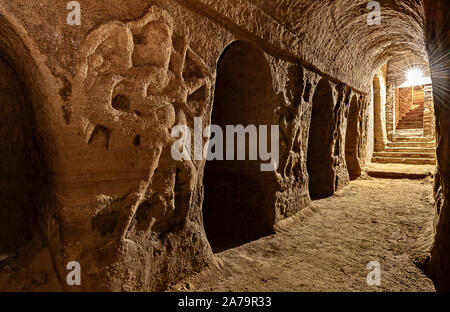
pixel 238 197
pixel 320 160
pixel 351 140
pixel 24 177
pixel 20 164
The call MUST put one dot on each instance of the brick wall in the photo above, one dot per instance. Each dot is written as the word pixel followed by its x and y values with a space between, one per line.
pixel 428 113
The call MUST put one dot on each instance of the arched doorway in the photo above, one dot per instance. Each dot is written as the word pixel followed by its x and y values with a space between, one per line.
pixel 23 173
pixel 352 140
pixel 320 160
pixel 18 164
pixel 238 196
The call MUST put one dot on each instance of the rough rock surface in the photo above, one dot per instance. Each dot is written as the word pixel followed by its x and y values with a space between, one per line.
pixel 105 95
pixel 438 43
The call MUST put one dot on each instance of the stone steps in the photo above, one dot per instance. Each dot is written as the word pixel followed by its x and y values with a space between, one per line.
pixel 413 150
pixel 410 121
pixel 412 115
pixel 401 160
pixel 408 149
pixel 412 144
pixel 409 126
pixel 412 139
pixel 409 133
pixel 413 119
pixel 415 111
pixel 390 154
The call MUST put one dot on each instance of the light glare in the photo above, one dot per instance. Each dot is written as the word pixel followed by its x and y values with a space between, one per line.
pixel 415 77
pixel 414 74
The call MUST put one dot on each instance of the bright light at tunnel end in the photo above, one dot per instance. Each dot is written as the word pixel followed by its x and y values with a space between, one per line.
pixel 414 74
pixel 414 77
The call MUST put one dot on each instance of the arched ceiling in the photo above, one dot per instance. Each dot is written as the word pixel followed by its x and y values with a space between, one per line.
pixel 339 32
pixel 331 35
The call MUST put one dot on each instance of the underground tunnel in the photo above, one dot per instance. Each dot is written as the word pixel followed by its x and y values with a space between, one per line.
pixel 88 111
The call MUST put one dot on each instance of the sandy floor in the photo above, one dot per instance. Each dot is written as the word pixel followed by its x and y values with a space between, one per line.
pixel 326 250
pixel 371 220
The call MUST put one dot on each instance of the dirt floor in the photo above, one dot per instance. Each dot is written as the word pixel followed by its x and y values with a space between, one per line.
pixel 325 249
pixel 389 221
pixel 30 269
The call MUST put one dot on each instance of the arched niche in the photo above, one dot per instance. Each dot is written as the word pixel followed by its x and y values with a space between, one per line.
pixel 238 197
pixel 320 160
pixel 24 174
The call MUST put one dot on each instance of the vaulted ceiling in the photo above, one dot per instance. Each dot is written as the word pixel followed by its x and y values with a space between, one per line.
pixel 333 35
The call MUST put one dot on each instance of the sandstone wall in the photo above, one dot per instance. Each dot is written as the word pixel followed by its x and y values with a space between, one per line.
pixel 370 128
pixel 107 93
pixel 428 118
pixel 438 34
pixel 379 99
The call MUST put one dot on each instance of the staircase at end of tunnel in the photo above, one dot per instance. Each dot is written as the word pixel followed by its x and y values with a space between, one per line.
pixel 413 119
pixel 413 150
